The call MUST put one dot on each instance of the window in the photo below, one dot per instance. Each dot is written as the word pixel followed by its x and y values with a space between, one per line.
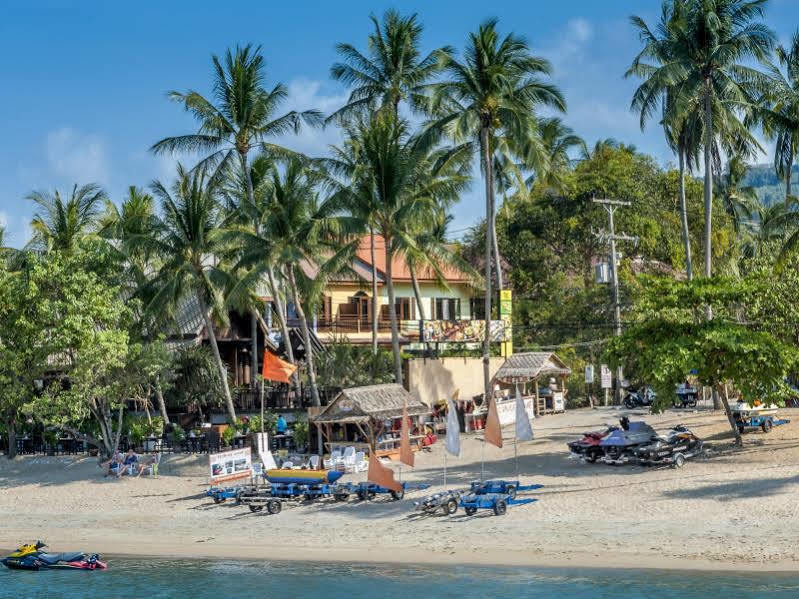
pixel 404 307
pixel 478 308
pixel 447 308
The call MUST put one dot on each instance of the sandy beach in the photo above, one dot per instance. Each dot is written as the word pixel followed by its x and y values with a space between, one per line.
pixel 734 509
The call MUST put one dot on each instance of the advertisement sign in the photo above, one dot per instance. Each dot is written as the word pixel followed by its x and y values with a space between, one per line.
pixel 462 331
pixel 506 316
pixel 607 379
pixel 230 465
pixel 589 374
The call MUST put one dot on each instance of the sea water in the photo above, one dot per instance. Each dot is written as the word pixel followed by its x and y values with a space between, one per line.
pixel 134 578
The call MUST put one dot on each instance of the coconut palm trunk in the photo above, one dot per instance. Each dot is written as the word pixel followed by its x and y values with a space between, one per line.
pixel 284 328
pixel 245 169
pixel 209 330
pixel 417 293
pixel 686 235
pixel 374 290
pixel 392 313
pixel 708 181
pixel 488 246
pixel 306 336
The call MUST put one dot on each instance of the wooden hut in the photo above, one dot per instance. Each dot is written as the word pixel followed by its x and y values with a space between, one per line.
pixel 529 370
pixel 373 411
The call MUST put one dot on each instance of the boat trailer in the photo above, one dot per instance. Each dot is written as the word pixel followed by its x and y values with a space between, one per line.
pixel 495 495
pixel 765 423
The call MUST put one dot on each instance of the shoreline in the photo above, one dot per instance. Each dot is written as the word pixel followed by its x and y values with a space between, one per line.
pixel 162 549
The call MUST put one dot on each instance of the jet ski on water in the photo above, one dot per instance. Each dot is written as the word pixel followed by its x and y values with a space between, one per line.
pixel 31 557
pixel 620 445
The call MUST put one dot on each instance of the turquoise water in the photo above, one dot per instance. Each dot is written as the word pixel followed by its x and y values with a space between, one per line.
pixel 223 579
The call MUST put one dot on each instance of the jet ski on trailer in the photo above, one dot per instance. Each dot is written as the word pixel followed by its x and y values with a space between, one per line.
pixel 620 445
pixel 31 557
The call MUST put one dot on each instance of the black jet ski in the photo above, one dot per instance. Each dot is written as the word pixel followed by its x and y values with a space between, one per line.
pixel 31 557
pixel 620 445
pixel 678 445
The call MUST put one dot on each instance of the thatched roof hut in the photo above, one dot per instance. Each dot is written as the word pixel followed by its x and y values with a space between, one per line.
pixel 530 366
pixel 368 408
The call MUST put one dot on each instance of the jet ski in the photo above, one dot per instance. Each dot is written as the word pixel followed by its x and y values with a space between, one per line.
pixel 588 447
pixel 31 557
pixel 678 445
pixel 620 445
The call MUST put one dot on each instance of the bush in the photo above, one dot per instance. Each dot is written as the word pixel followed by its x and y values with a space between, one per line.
pixel 155 428
pixel 178 434
pixel 301 433
pixel 228 434
pixel 137 431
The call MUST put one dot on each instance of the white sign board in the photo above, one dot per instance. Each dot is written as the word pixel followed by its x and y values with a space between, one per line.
pixel 607 380
pixel 589 374
pixel 230 465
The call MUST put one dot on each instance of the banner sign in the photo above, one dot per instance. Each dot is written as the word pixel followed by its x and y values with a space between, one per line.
pixel 589 374
pixel 462 331
pixel 605 376
pixel 230 465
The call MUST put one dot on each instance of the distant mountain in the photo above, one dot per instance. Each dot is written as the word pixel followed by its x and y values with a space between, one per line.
pixel 768 188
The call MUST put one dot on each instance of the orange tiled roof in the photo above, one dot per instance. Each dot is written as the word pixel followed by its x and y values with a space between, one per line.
pixel 400 271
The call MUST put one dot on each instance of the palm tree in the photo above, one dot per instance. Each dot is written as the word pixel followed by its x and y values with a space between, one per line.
pixel 489 97
pixel 187 241
pixel 391 70
pixel 407 181
pixel 781 119
pixel 59 224
pixel 721 36
pixel 241 117
pixel 739 202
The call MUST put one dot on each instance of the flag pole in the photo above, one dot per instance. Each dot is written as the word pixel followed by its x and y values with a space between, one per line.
pixel 516 441
pixel 445 469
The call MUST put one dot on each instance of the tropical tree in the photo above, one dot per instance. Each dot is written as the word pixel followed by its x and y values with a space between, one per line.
pixel 241 117
pixel 188 241
pixel 781 118
pixel 739 201
pixel 489 98
pixel 722 36
pixel 391 70
pixel 60 223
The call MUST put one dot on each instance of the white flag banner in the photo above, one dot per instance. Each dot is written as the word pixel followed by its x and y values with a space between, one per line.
pixel 453 430
pixel 524 431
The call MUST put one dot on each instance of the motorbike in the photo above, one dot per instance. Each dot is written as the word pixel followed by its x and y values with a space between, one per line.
pixel 588 447
pixel 620 445
pixel 643 397
pixel 31 557
pixel 678 445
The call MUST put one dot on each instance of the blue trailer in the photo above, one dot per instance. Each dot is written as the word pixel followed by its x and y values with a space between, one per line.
pixel 222 494
pixel 367 490
pixel 495 495
pixel 505 487
pixel 763 422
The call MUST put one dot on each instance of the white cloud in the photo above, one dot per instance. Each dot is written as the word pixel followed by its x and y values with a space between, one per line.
pixel 77 157
pixel 306 94
pixel 3 219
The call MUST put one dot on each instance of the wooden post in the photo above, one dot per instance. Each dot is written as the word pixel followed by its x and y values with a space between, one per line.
pixel 535 407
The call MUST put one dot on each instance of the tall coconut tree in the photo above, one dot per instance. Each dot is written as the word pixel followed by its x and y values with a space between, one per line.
pixel 240 117
pixel 391 70
pixel 781 117
pixel 489 96
pixel 188 242
pixel 60 223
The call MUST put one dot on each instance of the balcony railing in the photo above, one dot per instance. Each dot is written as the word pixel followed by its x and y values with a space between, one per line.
pixel 346 325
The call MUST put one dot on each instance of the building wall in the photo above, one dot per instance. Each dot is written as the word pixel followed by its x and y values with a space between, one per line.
pixel 433 380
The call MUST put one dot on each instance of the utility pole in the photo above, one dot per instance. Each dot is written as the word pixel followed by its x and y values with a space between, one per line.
pixel 611 206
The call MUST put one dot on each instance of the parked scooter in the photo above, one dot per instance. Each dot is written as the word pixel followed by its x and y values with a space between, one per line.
pixel 640 398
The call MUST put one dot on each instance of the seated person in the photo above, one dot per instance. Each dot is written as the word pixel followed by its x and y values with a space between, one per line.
pixel 128 464
pixel 281 426
pixel 112 466
pixel 145 464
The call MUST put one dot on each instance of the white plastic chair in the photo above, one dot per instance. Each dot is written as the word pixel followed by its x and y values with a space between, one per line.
pixel 348 459
pixel 313 462
pixel 335 458
pixel 287 464
pixel 361 465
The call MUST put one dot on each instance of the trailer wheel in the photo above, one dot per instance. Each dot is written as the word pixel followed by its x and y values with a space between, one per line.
pixel 255 508
pixel 591 456
pixel 679 460
pixel 511 491
pixel 397 495
pixel 470 511
pixel 274 507
pixel 340 496
pixel 767 426
pixel 500 507
pixel 218 500
pixel 451 506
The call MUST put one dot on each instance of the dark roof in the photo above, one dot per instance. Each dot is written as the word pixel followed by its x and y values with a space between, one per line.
pixel 529 366
pixel 377 402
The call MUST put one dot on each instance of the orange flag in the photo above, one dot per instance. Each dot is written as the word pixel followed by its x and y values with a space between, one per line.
pixel 493 431
pixel 276 369
pixel 406 454
pixel 380 475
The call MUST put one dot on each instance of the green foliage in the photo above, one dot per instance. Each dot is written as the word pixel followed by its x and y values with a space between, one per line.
pixel 137 431
pixel 270 422
pixel 672 337
pixel 196 383
pixel 346 365
pixel 301 433
pixel 178 434
pixel 228 434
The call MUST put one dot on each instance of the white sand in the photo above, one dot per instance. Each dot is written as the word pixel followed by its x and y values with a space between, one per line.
pixel 735 509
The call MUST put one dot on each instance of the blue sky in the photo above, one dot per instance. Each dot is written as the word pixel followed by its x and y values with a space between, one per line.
pixel 85 82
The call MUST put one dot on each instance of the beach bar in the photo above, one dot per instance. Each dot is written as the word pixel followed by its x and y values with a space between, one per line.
pixel 369 418
pixel 529 370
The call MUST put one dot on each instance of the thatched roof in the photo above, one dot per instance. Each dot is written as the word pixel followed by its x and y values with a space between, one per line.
pixel 530 366
pixel 376 402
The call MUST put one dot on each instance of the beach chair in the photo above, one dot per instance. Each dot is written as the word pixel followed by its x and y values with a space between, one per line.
pixel 348 459
pixel 313 462
pixel 361 463
pixel 335 458
pixel 152 469
pixel 287 464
